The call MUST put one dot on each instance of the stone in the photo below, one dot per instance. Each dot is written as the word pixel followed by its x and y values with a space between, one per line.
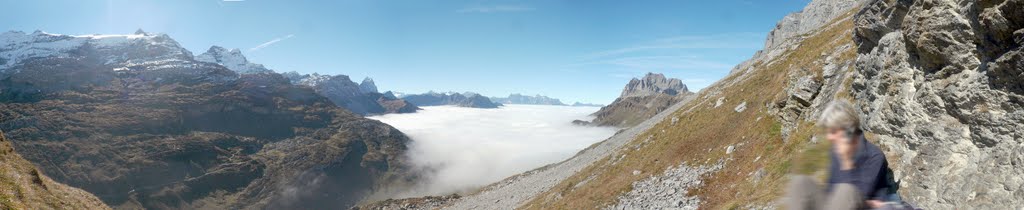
pixel 741 107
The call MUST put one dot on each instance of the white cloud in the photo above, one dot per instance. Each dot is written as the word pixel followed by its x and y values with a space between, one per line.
pixel 271 42
pixel 718 41
pixel 495 8
pixel 462 149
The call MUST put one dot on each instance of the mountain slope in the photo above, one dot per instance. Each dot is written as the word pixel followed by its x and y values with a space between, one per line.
pixel 641 99
pixel 22 186
pixel 142 124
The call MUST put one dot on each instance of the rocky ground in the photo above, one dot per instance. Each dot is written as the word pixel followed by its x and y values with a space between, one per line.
pixel 667 191
pixel 420 203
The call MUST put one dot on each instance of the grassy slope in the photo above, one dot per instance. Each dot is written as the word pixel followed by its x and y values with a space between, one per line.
pixel 22 186
pixel 703 134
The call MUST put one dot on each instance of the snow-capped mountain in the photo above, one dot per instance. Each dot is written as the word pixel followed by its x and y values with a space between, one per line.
pixel 231 59
pixel 17 47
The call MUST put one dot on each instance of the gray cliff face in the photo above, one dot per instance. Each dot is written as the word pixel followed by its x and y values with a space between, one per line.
pixel 940 83
pixel 653 84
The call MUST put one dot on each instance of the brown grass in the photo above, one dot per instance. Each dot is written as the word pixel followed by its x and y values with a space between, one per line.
pixel 707 131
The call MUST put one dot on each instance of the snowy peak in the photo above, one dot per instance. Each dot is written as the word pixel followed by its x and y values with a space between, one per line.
pixel 231 59
pixel 367 86
pixel 17 47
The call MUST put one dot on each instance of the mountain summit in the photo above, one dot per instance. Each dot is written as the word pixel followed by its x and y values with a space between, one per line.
pixel 367 86
pixel 642 98
pixel 653 84
pixel 231 59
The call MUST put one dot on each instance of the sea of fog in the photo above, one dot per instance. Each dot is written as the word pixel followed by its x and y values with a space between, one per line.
pixel 460 149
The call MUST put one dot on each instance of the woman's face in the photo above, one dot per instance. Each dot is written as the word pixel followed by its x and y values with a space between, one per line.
pixel 836 135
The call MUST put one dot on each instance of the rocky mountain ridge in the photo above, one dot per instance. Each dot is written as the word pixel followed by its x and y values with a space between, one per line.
pixel 516 98
pixel 140 123
pixel 468 99
pixel 359 98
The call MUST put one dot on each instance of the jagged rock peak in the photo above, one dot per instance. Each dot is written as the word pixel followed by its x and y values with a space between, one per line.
pixel 652 84
pixel 367 86
pixel 141 32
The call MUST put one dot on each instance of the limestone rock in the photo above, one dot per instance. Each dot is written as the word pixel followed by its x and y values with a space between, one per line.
pixel 940 85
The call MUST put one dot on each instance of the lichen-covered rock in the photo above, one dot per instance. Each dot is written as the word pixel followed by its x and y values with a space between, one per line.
pixel 940 84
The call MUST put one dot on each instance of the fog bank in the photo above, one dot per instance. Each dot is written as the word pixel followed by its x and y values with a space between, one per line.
pixel 461 149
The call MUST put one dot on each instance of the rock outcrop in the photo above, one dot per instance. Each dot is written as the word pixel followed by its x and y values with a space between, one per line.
pixel 23 186
pixel 516 98
pixel 135 120
pixel 641 99
pixel 472 100
pixel 940 84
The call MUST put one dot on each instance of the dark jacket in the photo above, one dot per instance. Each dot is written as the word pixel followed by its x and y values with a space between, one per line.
pixel 870 173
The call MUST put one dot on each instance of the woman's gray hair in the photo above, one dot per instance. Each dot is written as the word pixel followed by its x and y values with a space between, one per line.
pixel 840 114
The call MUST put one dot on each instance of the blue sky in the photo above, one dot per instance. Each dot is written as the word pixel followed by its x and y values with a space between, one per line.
pixel 572 50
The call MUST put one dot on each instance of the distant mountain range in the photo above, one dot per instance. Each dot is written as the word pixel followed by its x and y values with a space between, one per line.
pixel 516 98
pixel 360 98
pixel 457 99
